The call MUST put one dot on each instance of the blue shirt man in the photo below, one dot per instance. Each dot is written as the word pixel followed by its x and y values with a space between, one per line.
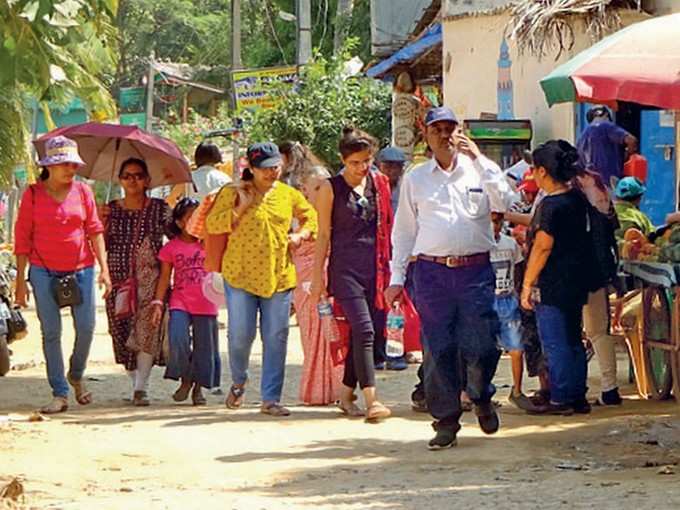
pixel 603 145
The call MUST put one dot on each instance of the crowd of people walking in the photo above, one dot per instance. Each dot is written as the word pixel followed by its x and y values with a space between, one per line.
pixel 483 265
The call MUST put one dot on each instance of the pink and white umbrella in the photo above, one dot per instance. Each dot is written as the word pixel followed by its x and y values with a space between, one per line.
pixel 104 147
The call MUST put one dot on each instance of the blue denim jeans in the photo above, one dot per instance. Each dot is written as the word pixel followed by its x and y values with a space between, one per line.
pixel 459 335
pixel 242 308
pixel 50 325
pixel 192 343
pixel 560 333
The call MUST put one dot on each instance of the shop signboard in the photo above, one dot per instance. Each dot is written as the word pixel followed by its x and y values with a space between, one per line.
pixel 256 89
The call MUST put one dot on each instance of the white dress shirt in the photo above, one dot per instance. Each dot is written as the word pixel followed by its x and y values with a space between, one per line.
pixel 447 213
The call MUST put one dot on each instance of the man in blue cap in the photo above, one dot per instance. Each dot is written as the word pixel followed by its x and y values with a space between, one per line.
pixel 603 144
pixel 391 162
pixel 443 228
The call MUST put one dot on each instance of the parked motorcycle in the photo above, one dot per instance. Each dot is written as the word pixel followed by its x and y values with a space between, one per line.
pixel 12 324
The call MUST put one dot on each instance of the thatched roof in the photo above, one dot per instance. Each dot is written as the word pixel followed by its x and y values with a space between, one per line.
pixel 544 27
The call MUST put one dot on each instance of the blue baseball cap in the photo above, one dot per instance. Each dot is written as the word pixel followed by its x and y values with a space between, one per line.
pixel 439 114
pixel 264 155
pixel 629 188
pixel 391 154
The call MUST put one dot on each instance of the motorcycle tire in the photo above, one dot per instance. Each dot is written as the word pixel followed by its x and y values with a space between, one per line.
pixel 4 356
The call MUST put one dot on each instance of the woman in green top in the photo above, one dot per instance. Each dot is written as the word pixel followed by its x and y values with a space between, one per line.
pixel 629 191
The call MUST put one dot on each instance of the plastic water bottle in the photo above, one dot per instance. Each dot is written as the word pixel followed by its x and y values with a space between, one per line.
pixel 324 308
pixel 395 332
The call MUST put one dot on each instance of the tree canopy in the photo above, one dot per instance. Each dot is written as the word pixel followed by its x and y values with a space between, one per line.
pixel 53 50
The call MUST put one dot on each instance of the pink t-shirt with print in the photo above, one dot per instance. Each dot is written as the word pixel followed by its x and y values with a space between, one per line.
pixel 187 261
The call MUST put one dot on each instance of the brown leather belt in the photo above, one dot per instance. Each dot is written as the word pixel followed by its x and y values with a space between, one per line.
pixel 476 259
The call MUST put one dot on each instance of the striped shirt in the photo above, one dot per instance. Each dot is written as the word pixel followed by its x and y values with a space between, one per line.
pixel 56 235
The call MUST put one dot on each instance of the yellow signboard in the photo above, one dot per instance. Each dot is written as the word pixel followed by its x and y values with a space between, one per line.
pixel 254 89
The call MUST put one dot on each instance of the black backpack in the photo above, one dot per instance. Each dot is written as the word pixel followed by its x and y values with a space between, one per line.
pixel 604 255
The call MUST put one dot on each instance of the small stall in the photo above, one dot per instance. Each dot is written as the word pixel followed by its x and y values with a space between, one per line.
pixel 655 345
pixel 609 73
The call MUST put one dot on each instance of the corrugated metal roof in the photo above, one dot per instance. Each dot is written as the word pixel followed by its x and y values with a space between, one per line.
pixel 460 8
pixel 392 22
pixel 409 53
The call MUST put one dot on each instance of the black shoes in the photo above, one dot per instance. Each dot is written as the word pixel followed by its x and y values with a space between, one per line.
pixel 445 436
pixel 487 417
pixel 418 401
pixel 581 407
pixel 551 409
pixel 610 398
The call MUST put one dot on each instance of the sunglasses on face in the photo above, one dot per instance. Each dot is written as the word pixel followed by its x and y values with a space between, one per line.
pixel 137 177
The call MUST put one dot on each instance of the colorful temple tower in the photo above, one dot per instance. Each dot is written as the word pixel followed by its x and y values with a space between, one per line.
pixel 505 92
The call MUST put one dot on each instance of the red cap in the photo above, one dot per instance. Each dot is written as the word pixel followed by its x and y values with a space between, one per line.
pixel 528 183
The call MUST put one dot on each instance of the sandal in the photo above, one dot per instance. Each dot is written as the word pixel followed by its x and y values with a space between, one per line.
pixel 83 397
pixel 377 412
pixel 140 399
pixel 182 392
pixel 197 397
pixel 274 409
pixel 235 397
pixel 58 405
pixel 351 410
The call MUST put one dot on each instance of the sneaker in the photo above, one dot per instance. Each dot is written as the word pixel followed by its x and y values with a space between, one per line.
pixel 582 406
pixel 551 409
pixel 444 438
pixel 419 405
pixel 379 366
pixel 610 398
pixel 521 401
pixel 540 398
pixel 487 417
pixel 396 364
pixel 418 401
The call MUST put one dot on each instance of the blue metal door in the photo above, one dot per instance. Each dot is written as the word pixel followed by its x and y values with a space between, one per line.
pixel 657 144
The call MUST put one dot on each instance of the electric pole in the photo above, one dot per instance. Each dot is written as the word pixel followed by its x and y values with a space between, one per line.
pixel 303 11
pixel 236 35
pixel 150 81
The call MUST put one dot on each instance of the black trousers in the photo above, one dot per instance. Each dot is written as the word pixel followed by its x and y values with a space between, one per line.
pixel 367 324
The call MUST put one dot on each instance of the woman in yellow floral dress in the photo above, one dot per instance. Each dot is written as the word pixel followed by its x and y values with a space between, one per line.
pixel 257 269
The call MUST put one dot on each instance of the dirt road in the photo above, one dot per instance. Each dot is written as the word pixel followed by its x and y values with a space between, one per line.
pixel 171 456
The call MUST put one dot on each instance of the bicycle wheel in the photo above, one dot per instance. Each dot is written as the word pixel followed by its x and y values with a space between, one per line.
pixel 657 327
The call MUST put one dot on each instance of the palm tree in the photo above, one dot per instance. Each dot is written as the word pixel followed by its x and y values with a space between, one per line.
pixel 53 50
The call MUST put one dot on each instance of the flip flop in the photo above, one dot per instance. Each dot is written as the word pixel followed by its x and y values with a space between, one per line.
pixel 197 398
pixel 83 397
pixel 274 409
pixel 235 397
pixel 58 405
pixel 377 412
pixel 352 410
pixel 182 393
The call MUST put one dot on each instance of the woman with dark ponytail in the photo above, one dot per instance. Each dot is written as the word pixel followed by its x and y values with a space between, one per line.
pixel 554 283
pixel 355 222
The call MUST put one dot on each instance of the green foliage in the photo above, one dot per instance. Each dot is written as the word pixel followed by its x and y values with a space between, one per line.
pixel 188 136
pixel 323 102
pixel 197 32
pixel 53 50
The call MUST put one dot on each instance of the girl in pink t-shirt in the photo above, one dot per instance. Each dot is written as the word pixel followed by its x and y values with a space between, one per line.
pixel 193 317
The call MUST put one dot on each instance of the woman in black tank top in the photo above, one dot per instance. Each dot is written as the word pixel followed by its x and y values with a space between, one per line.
pixel 348 222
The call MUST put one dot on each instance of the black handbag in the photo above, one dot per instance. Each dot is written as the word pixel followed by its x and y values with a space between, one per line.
pixel 66 291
